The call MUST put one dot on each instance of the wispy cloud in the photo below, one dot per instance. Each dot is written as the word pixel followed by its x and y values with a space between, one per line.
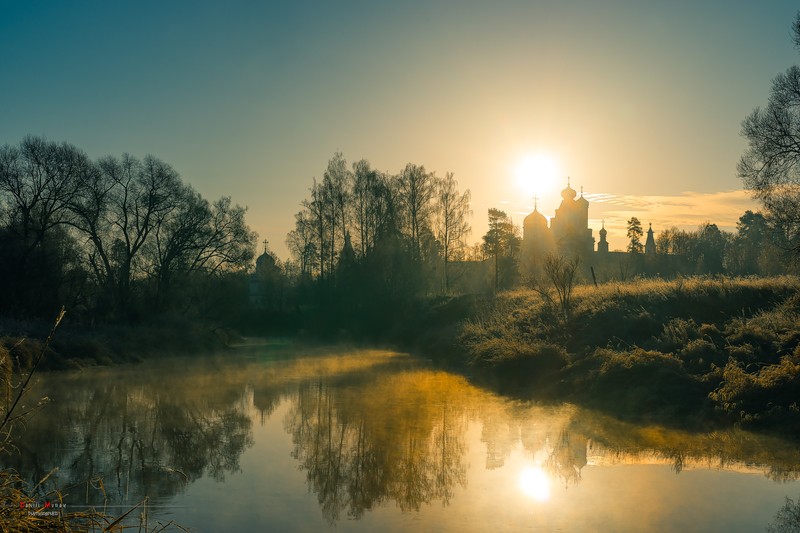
pixel 685 211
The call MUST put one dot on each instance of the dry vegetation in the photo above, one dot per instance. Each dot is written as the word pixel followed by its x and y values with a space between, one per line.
pixel 692 347
pixel 27 508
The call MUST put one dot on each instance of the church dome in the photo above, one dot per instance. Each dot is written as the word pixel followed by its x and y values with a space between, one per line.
pixel 583 201
pixel 569 193
pixel 535 218
pixel 264 260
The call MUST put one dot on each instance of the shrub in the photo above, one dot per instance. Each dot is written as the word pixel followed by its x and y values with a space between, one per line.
pixel 743 352
pixel 700 353
pixel 645 382
pixel 768 396
pixel 677 333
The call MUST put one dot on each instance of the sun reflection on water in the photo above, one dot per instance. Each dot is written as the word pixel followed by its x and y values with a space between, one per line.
pixel 534 483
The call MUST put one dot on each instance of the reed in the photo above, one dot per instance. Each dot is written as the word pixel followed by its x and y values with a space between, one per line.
pixel 24 508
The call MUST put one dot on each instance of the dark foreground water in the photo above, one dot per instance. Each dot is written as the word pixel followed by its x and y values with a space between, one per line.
pixel 377 441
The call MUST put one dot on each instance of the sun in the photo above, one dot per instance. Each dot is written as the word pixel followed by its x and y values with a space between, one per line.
pixel 536 173
pixel 535 484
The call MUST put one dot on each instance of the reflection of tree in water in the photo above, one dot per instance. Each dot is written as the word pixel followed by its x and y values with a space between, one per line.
pixel 620 441
pixel 567 458
pixel 120 439
pixel 398 438
pixel 499 434
pixel 366 439
pixel 543 433
pixel 368 429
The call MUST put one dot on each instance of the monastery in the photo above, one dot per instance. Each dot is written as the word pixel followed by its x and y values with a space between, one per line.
pixel 568 234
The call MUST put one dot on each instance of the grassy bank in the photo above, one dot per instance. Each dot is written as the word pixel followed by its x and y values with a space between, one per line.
pixel 77 346
pixel 690 350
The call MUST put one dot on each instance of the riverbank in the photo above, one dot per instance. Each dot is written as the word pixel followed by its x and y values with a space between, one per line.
pixel 693 351
pixel 76 347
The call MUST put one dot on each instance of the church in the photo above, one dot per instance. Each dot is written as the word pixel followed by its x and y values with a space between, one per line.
pixel 568 234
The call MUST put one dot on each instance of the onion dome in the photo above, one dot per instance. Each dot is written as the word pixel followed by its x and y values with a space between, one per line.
pixel 582 201
pixel 264 260
pixel 535 218
pixel 569 193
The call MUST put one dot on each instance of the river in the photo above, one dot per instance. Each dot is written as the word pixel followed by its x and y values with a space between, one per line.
pixel 366 440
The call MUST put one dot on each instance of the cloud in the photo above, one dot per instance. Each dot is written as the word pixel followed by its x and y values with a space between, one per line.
pixel 685 211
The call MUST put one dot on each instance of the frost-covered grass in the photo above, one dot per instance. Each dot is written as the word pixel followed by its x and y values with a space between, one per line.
pixel 687 347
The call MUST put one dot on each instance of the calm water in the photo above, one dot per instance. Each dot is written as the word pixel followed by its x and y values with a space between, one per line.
pixel 377 441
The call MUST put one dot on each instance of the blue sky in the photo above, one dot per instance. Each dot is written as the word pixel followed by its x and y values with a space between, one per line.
pixel 250 99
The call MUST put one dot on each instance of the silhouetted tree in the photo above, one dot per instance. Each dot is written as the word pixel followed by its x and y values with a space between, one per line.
pixel 416 190
pixel 753 237
pixel 502 243
pixel 366 182
pixel 38 180
pixel 770 165
pixel 89 233
pixel 674 241
pixel 562 274
pixel 197 238
pixel 452 210
pixel 709 248
pixel 136 194
pixel 316 215
pixel 302 244
pixel 335 197
pixel 635 235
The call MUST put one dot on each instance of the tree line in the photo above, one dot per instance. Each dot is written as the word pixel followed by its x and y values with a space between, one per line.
pixel 114 238
pixel 119 238
pixel 759 246
pixel 400 232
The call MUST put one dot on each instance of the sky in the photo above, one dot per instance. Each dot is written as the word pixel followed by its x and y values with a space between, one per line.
pixel 639 103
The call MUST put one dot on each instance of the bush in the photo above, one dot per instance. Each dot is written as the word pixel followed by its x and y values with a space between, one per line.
pixel 699 354
pixel 769 396
pixel 643 382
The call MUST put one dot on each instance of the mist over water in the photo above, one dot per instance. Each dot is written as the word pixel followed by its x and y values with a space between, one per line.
pixel 368 440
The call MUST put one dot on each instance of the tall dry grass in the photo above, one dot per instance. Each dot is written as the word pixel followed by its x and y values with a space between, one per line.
pixel 26 508
pixel 683 346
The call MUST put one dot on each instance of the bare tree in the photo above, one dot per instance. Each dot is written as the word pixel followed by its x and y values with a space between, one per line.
pixel 302 244
pixel 367 201
pixel 316 211
pixel 452 210
pixel 562 274
pixel 117 210
pixel 39 179
pixel 335 196
pixel 416 188
pixel 197 237
pixel 770 167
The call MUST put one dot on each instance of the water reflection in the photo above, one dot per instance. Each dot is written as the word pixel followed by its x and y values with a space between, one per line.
pixel 368 430
pixel 535 483
pixel 400 438
pixel 116 439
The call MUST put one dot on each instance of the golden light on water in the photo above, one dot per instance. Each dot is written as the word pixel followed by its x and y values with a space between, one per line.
pixel 535 484
pixel 536 173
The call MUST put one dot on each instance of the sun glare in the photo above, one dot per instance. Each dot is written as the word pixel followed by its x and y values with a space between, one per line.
pixel 535 484
pixel 536 174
